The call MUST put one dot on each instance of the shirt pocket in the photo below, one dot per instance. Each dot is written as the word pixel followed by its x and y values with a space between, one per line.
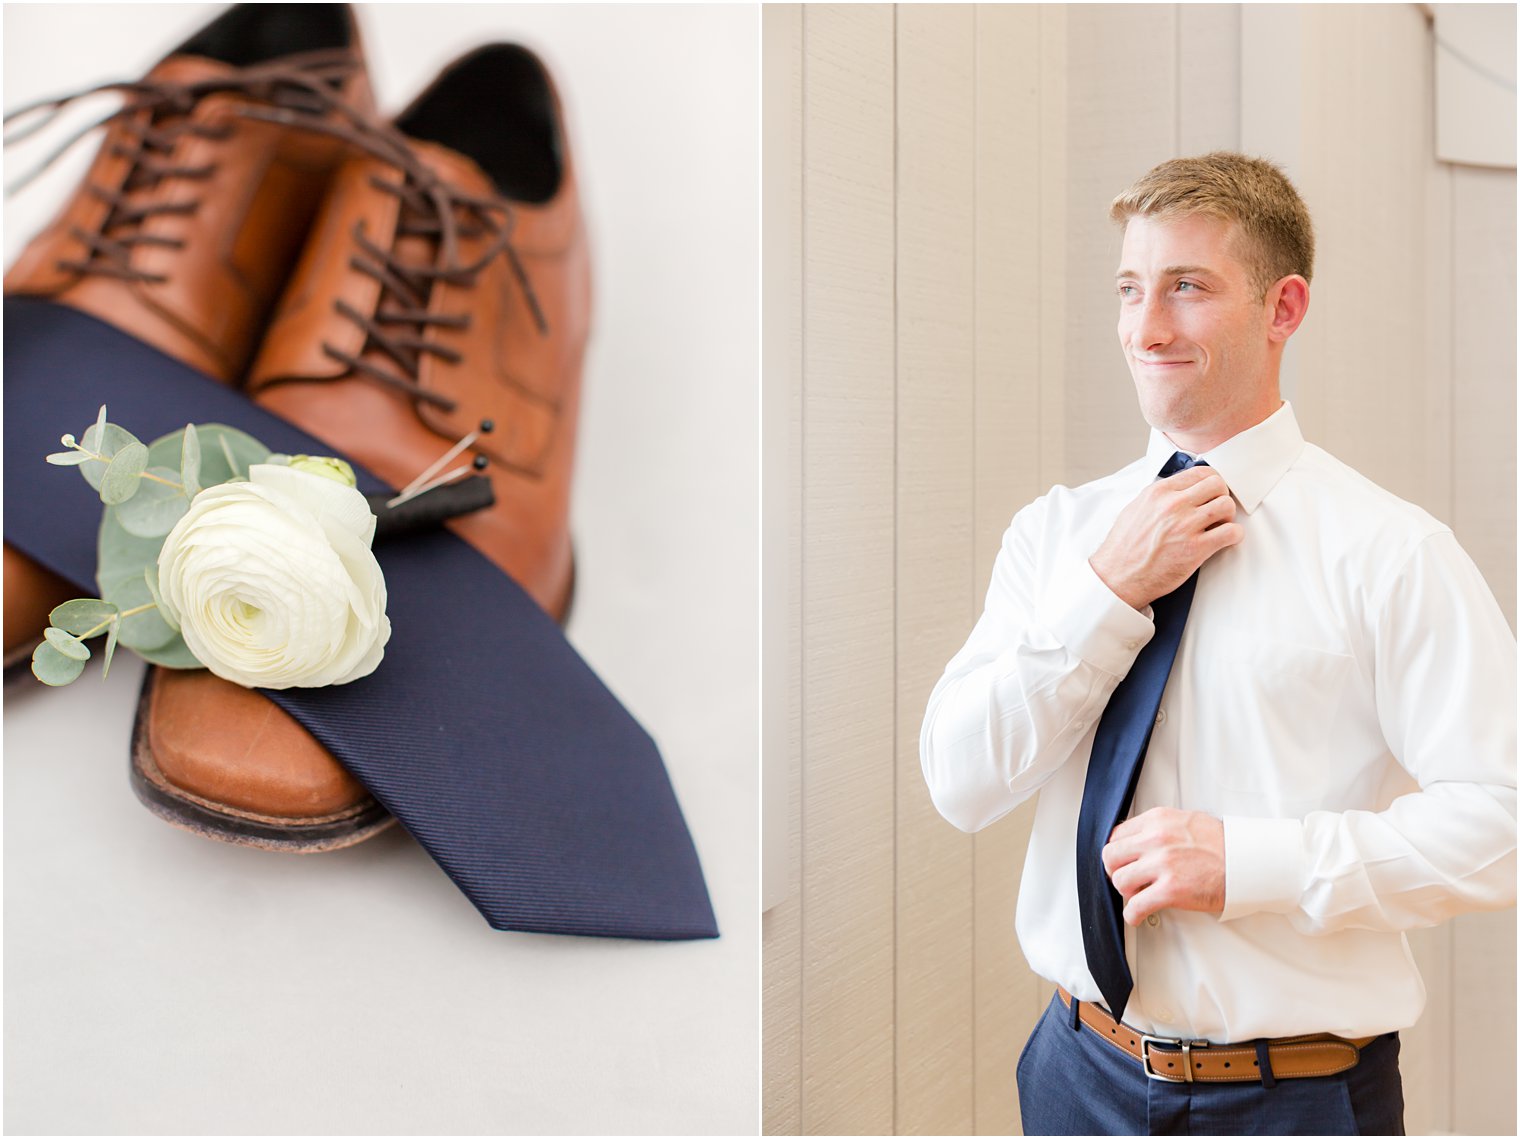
pixel 1275 707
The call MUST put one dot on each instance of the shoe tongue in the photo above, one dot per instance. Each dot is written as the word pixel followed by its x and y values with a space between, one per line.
pixel 353 200
pixel 459 171
pixel 460 175
pixel 176 71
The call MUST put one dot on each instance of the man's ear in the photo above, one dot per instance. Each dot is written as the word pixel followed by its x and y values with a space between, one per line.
pixel 1287 304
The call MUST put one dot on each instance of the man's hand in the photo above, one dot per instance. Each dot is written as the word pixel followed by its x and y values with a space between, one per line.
pixel 1167 859
pixel 1159 539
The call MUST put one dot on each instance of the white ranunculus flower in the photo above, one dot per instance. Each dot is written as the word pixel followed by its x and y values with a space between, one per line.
pixel 273 583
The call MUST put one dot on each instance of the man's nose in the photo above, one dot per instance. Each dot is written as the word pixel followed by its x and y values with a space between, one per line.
pixel 1151 325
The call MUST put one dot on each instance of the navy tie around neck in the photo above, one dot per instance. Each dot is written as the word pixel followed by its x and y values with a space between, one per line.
pixel 1123 734
pixel 511 763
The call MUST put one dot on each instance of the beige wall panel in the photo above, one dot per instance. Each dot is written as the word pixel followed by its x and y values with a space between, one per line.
pixel 781 1053
pixel 1011 287
pixel 1483 1088
pixel 1015 300
pixel 1054 90
pixel 1324 346
pixel 1439 303
pixel 1122 120
pixel 1271 117
pixel 1483 366
pixel 935 184
pixel 1364 177
pixel 1208 78
pixel 1425 1052
pixel 848 439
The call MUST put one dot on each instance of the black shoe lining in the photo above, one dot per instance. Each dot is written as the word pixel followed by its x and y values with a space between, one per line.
pixel 495 106
pixel 256 33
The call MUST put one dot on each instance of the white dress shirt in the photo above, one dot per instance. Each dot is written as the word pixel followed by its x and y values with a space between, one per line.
pixel 1343 697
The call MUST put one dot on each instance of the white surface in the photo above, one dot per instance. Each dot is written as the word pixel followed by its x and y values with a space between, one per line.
pixel 158 982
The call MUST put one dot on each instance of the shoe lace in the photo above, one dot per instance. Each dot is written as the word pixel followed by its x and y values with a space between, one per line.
pixel 398 332
pixel 153 119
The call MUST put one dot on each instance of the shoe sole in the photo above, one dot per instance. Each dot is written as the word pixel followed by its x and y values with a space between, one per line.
pixel 218 821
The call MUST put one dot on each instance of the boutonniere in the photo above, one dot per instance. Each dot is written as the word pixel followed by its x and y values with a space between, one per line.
pixel 216 553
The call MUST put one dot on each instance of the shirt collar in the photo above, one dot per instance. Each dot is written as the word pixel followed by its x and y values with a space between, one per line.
pixel 1251 462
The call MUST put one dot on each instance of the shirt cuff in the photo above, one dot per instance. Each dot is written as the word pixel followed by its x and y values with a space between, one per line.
pixel 1092 622
pixel 1263 866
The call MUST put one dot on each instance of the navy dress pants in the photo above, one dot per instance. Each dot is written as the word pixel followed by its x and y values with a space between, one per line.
pixel 1072 1082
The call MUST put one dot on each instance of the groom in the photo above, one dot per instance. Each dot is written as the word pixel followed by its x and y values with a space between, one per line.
pixel 1268 706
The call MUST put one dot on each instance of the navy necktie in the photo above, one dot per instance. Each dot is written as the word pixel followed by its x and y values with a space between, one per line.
pixel 522 776
pixel 1123 734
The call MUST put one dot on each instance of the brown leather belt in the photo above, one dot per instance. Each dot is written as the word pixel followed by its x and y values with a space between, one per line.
pixel 1190 1061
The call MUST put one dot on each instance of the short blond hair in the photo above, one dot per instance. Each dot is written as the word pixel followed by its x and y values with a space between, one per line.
pixel 1276 235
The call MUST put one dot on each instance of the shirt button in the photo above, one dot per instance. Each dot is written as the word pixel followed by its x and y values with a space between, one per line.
pixel 1154 919
pixel 1080 725
pixel 1132 644
pixel 1164 1014
pixel 1161 716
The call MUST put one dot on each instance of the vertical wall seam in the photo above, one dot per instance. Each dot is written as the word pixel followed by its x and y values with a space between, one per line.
pixel 1451 345
pixel 802 687
pixel 976 17
pixel 1449 1106
pixel 896 537
pixel 1039 241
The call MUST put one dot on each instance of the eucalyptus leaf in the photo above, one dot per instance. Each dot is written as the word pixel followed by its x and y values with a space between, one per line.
pixel 105 442
pixel 173 655
pixel 110 650
pixel 83 615
pixel 226 453
pixel 156 507
pixel 67 644
pixel 150 575
pixel 239 449
pixel 68 458
pixel 122 555
pixel 145 630
pixel 120 482
pixel 51 667
pixel 167 450
pixel 190 462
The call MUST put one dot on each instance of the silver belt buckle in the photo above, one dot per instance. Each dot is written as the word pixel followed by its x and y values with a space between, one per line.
pixel 1187 1047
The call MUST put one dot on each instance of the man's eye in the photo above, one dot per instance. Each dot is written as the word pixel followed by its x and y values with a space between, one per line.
pixel 1128 290
pixel 1187 285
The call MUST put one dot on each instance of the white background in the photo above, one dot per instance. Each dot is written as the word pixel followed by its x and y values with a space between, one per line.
pixel 159 982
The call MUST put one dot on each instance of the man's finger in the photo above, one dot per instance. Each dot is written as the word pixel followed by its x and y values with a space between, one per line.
pixel 1119 852
pixel 1131 878
pixel 1208 485
pixel 1152 899
pixel 1221 536
pixel 1221 509
pixel 1133 827
pixel 1189 477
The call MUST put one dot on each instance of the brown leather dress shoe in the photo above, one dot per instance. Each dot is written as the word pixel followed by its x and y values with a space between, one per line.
pixel 185 229
pixel 445 283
